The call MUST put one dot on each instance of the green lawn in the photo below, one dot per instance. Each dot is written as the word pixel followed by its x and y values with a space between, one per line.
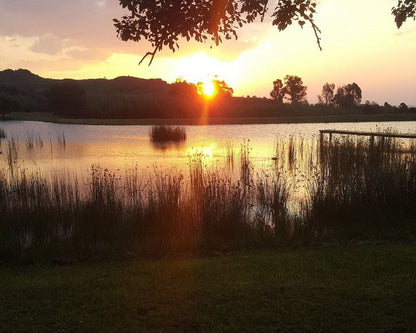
pixel 48 117
pixel 353 289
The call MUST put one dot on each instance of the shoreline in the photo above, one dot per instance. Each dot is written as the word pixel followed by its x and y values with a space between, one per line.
pixel 47 117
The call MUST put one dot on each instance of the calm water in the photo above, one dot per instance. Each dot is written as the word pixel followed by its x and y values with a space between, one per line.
pixel 56 147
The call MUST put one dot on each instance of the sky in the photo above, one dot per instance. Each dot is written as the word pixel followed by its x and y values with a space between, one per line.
pixel 360 41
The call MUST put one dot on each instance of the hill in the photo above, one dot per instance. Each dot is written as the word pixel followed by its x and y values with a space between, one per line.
pixel 30 91
pixel 129 97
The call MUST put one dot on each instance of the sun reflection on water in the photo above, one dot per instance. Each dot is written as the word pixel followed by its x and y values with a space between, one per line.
pixel 204 151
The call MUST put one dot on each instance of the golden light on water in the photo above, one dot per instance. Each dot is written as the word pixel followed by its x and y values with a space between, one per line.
pixel 205 151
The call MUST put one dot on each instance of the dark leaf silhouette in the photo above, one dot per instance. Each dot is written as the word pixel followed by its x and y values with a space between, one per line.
pixel 163 23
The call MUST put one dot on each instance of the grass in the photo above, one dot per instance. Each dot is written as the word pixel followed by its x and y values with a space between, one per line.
pixel 49 117
pixel 336 289
pixel 164 133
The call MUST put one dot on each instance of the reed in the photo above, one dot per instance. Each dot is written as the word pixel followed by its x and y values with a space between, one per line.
pixel 354 189
pixel 364 188
pixel 163 133
pixel 33 140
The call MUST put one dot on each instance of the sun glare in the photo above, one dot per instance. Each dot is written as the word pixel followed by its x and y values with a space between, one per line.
pixel 204 151
pixel 208 88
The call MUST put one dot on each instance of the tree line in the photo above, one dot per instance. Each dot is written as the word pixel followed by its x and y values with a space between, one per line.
pixel 293 90
pixel 182 99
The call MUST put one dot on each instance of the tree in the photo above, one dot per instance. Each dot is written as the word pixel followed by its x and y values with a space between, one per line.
pixel 221 88
pixel 295 89
pixel 163 23
pixel 183 88
pixel 348 96
pixel 278 91
pixel 66 98
pixel 7 105
pixel 405 9
pixel 403 107
pixel 327 95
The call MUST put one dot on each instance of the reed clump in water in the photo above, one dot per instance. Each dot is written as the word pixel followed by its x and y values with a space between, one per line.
pixel 164 133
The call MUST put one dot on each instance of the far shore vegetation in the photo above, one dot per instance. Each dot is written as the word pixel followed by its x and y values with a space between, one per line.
pixel 26 96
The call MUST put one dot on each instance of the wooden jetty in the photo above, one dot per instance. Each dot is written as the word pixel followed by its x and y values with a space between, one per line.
pixel 370 134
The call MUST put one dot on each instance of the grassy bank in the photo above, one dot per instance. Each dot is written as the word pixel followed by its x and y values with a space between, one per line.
pixel 342 289
pixel 48 117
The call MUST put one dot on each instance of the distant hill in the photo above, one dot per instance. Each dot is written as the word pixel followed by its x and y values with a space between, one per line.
pixel 17 76
pixel 23 79
pixel 29 91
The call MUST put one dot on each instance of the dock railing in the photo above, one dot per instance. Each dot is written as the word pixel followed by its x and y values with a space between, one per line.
pixel 370 134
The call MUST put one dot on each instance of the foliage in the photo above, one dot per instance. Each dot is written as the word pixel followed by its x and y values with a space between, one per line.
pixel 278 91
pixel 295 89
pixel 183 88
pixel 163 23
pixel 348 96
pixel 163 133
pixel 327 95
pixel 221 88
pixel 405 9
pixel 66 98
pixel 7 104
pixel 403 107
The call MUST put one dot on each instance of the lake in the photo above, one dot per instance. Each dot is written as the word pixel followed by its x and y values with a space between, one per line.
pixel 47 147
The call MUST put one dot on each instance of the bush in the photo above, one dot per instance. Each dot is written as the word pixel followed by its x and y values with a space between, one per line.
pixel 164 133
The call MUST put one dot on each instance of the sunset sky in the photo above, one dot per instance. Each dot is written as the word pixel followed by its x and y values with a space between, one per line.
pixel 77 39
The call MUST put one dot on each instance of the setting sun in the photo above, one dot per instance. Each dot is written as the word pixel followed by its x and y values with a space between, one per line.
pixel 208 88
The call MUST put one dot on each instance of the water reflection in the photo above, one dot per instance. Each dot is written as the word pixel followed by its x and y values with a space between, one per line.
pixel 283 147
pixel 169 145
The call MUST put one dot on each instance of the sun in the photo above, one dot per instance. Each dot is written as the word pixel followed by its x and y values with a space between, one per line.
pixel 208 88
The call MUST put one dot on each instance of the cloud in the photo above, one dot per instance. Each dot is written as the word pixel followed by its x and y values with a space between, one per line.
pixel 48 44
pixel 85 22
pixel 9 41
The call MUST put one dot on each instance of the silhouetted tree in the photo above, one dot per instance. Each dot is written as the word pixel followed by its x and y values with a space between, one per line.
pixel 221 88
pixel 278 91
pixel 163 23
pixel 403 107
pixel 405 9
pixel 295 89
pixel 183 88
pixel 66 98
pixel 7 104
pixel 348 96
pixel 371 107
pixel 327 95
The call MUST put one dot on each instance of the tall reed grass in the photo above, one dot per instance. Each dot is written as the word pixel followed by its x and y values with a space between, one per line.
pixel 364 189
pixel 352 189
